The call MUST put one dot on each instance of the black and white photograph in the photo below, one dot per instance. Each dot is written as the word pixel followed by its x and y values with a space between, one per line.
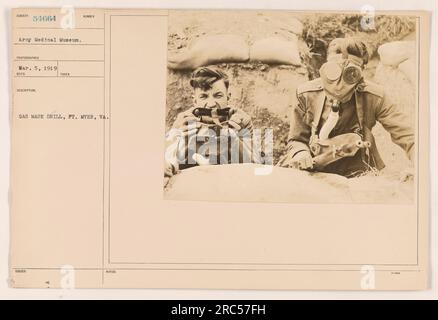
pixel 291 107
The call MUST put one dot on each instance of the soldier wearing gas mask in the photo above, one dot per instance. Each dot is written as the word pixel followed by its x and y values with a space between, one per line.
pixel 210 132
pixel 332 121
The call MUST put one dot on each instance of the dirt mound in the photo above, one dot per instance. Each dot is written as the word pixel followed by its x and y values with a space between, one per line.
pixel 240 182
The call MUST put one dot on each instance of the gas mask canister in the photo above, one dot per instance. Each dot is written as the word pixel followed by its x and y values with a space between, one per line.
pixel 340 75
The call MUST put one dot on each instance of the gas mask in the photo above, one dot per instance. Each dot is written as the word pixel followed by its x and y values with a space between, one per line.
pixel 340 75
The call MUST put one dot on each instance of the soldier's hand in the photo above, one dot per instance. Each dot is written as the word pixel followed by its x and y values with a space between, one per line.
pixel 187 123
pixel 239 119
pixel 302 160
pixel 169 169
pixel 407 174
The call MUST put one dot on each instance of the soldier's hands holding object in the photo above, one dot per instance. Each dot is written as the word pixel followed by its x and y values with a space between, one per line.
pixel 187 123
pixel 239 119
pixel 169 171
pixel 302 160
pixel 407 174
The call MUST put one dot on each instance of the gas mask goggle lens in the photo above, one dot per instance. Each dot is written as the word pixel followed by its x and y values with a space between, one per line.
pixel 350 74
pixel 340 75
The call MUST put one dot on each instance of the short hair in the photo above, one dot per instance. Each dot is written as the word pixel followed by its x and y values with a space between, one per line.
pixel 204 77
pixel 352 45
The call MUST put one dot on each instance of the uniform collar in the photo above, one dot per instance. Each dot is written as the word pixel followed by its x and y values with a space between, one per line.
pixel 321 100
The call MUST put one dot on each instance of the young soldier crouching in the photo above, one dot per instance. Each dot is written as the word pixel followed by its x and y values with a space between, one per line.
pixel 210 132
pixel 332 121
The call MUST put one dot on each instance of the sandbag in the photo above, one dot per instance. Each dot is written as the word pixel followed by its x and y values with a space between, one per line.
pixel 399 89
pixel 394 53
pixel 275 51
pixel 409 68
pixel 212 49
pixel 295 26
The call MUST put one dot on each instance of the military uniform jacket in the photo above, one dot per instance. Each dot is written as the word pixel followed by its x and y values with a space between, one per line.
pixel 371 104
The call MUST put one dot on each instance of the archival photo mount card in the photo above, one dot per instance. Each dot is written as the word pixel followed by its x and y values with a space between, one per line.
pixel 230 149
